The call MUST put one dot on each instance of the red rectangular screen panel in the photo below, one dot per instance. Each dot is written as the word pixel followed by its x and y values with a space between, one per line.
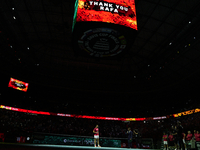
pixel 120 12
pixel 18 85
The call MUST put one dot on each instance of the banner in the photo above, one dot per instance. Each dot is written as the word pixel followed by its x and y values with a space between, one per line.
pixel 78 141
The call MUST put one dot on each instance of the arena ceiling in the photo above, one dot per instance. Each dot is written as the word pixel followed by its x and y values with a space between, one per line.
pixel 159 72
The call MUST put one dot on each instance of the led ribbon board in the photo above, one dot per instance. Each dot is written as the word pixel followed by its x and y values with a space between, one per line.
pixel 187 112
pixel 18 85
pixel 104 28
pixel 197 110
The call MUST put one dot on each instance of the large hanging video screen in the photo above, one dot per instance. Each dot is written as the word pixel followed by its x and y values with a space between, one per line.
pixel 120 12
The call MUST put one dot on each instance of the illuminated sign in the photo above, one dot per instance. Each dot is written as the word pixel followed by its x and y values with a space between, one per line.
pixel 158 118
pixel 120 12
pixel 133 119
pixel 187 112
pixel 19 85
pixel 5 107
pixel 97 117
pixel 91 117
pixel 24 110
pixel 69 115
pixel 64 115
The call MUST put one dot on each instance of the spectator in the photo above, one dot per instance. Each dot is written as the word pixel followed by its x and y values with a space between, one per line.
pixel 197 136
pixel 195 132
pixel 189 136
pixel 171 139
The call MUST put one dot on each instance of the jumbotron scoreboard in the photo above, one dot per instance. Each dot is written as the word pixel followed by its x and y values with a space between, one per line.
pixel 104 28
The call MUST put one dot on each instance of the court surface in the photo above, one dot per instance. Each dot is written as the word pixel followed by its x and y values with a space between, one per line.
pixel 19 146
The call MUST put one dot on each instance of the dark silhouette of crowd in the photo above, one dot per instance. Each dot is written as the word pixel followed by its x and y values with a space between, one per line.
pixel 23 124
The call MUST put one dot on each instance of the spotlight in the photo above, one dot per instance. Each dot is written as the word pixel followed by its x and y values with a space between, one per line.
pixel 13 8
pixel 14 17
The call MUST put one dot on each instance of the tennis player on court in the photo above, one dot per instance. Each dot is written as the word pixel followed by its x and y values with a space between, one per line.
pixel 96 136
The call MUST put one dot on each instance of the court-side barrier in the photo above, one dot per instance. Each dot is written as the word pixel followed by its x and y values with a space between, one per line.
pixel 46 138
pixel 2 137
pixel 21 139
pixel 198 145
pixel 192 144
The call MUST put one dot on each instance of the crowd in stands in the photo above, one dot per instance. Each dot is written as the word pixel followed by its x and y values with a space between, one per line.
pixel 19 124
